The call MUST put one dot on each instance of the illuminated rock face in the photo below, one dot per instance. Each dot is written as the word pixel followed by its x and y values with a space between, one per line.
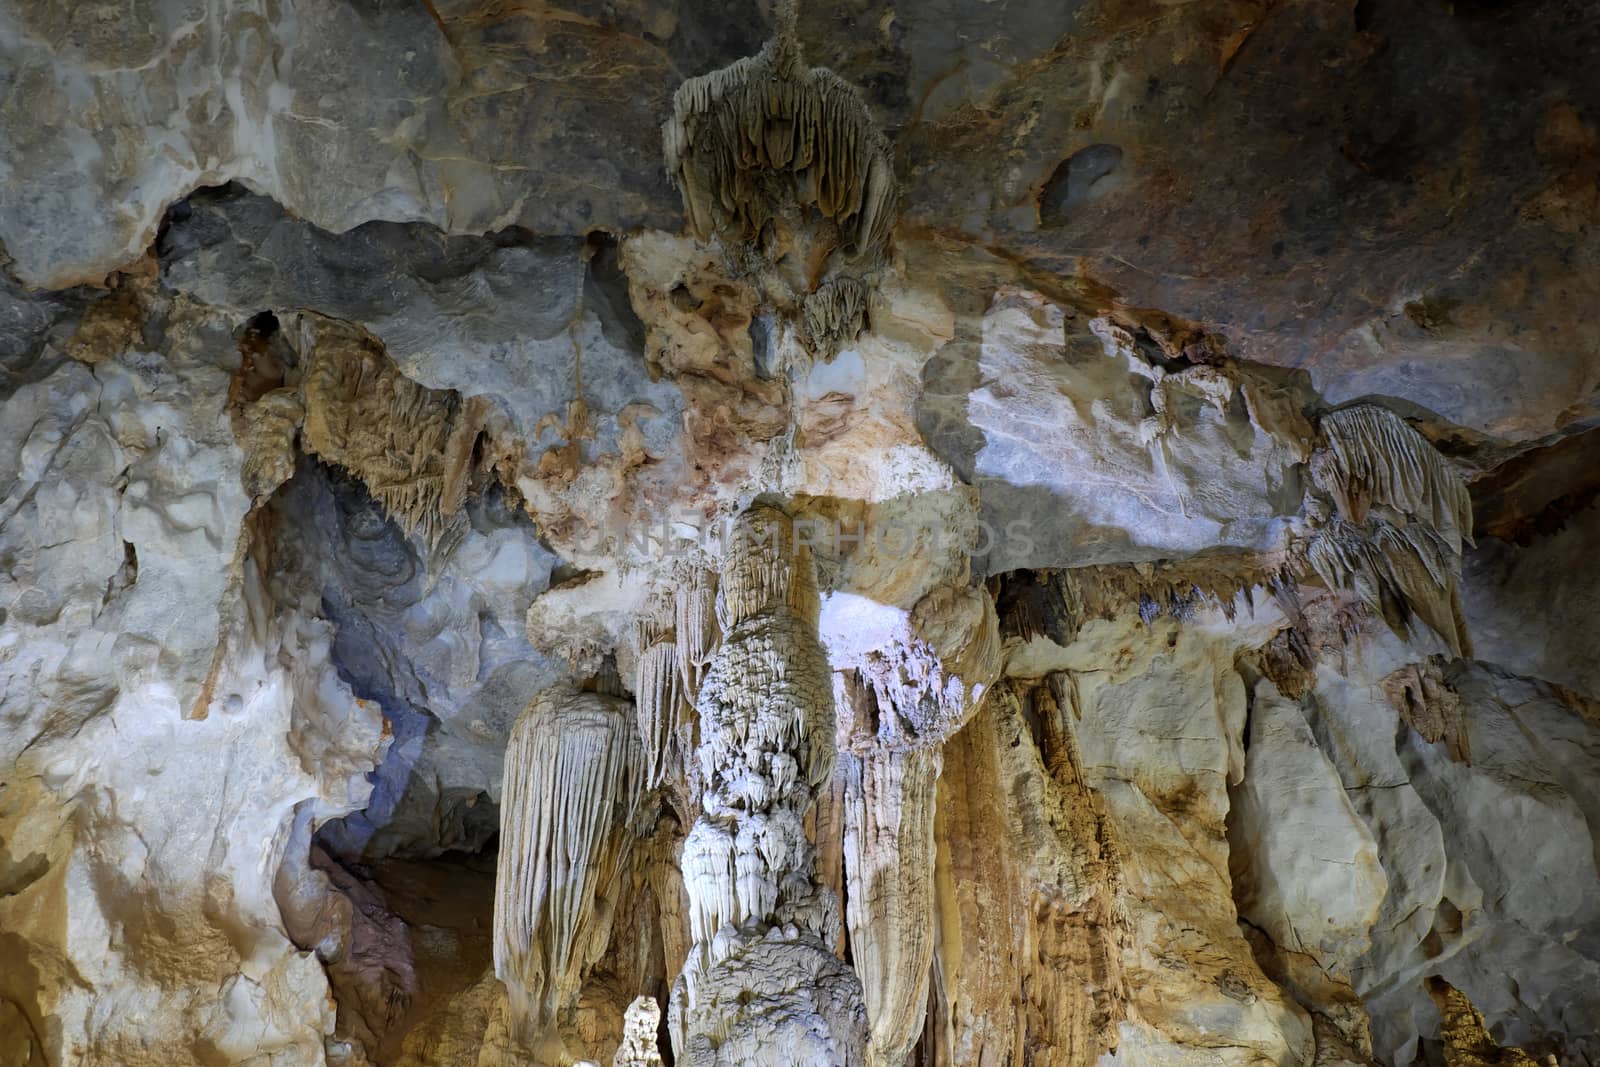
pixel 1190 410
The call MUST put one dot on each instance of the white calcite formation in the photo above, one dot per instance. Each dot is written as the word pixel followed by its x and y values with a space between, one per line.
pixel 762 983
pixel 638 1048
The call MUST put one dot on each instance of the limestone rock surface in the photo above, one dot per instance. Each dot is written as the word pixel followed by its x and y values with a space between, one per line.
pixel 1184 423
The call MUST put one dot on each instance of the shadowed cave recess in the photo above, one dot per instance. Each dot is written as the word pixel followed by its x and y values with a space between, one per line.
pixel 955 534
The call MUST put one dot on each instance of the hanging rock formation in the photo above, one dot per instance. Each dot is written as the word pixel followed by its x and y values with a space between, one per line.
pixel 662 701
pixel 1403 515
pixel 763 147
pixel 898 707
pixel 571 775
pixel 889 860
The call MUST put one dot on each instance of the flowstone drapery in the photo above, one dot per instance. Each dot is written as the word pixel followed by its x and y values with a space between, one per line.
pixel 571 775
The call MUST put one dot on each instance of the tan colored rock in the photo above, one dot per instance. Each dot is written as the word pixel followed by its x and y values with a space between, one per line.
pixel 364 415
pixel 1031 933
pixel 572 771
pixel 1466 1040
pixel 1423 698
pixel 889 874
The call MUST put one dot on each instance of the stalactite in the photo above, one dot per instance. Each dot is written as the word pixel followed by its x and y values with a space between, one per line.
pixel 696 632
pixel 1056 604
pixel 889 860
pixel 899 704
pixel 1373 458
pixel 404 440
pixel 834 315
pixel 267 431
pixel 571 776
pixel 771 155
pixel 1403 515
pixel 660 700
pixel 767 571
pixel 1033 927
pixel 766 127
pixel 1425 700
pixel 762 984
pixel 925 687
pixel 1399 572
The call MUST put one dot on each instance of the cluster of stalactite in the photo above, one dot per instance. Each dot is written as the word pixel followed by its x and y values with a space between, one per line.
pixel 675 641
pixel 1402 516
pixel 785 164
pixel 572 769
pixel 419 451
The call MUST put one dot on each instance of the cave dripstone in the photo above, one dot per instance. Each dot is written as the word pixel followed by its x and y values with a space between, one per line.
pixel 976 533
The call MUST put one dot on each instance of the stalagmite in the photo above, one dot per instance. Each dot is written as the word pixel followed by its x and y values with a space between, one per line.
pixel 638 1048
pixel 762 984
pixel 571 775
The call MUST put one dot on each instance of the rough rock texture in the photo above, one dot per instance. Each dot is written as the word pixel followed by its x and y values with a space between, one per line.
pixel 1188 410
pixel 786 166
pixel 638 1048
pixel 761 984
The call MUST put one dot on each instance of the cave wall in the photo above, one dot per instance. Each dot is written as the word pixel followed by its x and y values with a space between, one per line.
pixel 361 384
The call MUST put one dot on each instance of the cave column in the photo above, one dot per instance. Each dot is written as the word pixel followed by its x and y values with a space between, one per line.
pixel 762 983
